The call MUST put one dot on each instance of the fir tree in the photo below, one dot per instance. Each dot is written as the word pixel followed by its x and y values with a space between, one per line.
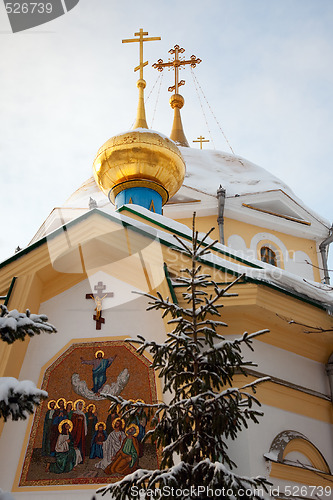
pixel 18 398
pixel 197 366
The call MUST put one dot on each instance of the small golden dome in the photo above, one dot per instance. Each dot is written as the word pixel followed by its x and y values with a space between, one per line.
pixel 139 157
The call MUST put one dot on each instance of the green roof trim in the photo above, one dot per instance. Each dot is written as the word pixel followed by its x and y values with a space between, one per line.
pixel 96 211
pixel 179 233
pixel 170 285
pixel 10 291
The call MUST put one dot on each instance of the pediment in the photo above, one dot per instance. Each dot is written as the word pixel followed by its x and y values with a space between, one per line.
pixel 280 208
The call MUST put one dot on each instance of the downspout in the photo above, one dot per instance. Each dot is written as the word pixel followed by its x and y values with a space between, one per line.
pixel 329 371
pixel 220 218
pixel 324 252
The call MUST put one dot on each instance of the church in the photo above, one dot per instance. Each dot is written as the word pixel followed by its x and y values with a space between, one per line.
pixel 114 237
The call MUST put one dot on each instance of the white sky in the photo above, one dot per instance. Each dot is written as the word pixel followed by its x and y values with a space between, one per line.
pixel 69 85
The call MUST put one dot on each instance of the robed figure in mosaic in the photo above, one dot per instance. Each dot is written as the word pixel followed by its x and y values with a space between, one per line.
pixel 100 366
pixel 65 455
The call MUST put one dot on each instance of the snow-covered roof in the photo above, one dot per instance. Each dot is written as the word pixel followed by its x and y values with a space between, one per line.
pixel 223 257
pixel 252 268
pixel 205 170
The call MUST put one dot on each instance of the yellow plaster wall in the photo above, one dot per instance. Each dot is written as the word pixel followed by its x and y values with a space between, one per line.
pixel 248 231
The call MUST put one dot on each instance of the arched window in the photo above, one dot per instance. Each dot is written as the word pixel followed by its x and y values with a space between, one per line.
pixel 268 255
pixel 293 448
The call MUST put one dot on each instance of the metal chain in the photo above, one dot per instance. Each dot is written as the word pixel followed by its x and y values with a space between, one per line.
pixel 151 91
pixel 157 98
pixel 195 79
pixel 202 109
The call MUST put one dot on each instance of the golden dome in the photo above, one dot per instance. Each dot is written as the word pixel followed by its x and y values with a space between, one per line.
pixel 139 157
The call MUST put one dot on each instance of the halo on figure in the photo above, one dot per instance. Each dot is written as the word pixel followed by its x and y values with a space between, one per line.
pixel 91 404
pixel 61 399
pixel 140 401
pixel 100 423
pixel 71 403
pixel 66 421
pixel 79 401
pixel 137 430
pixel 121 420
pixel 51 401
pixel 97 352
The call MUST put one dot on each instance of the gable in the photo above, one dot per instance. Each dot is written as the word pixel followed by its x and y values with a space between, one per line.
pixel 279 208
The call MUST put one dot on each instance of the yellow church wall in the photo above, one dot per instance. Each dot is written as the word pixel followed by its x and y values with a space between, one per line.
pixel 289 399
pixel 203 224
pixel 258 307
pixel 302 476
pixel 26 295
pixel 248 231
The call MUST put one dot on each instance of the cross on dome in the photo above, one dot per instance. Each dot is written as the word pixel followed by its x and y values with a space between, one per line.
pixel 141 121
pixel 176 64
pixel 201 139
pixel 141 34
pixel 176 100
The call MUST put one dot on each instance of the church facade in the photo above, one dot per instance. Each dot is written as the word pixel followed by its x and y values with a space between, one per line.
pixel 113 237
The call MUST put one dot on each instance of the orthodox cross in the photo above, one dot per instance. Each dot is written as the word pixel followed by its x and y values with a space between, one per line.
pixel 141 39
pixel 176 64
pixel 201 140
pixel 98 298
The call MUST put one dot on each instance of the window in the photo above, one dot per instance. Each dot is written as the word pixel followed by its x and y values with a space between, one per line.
pixel 267 255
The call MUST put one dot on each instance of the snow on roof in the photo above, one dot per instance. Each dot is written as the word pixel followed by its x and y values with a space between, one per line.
pixel 252 268
pixel 260 271
pixel 207 169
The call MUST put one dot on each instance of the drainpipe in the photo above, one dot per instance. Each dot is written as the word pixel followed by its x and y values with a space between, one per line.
pixel 324 252
pixel 329 371
pixel 220 219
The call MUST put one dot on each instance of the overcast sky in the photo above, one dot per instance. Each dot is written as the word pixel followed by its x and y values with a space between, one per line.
pixel 69 85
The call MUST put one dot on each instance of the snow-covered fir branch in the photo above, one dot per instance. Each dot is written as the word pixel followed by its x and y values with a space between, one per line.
pixel 17 398
pixel 211 474
pixel 16 326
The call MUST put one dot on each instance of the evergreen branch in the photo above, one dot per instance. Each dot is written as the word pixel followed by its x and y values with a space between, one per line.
pixel 16 326
pixel 197 365
pixel 18 398
pixel 188 250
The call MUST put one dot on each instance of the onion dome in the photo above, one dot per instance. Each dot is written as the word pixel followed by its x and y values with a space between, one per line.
pixel 140 166
pixel 129 164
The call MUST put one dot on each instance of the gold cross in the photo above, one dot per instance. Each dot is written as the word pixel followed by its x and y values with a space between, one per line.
pixel 201 140
pixel 141 39
pixel 177 63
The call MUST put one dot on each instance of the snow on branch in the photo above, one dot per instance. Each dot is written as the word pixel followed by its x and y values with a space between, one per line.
pixel 15 325
pixel 205 410
pixel 17 398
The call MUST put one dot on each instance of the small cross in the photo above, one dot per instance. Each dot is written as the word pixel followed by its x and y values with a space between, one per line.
pixel 176 64
pixel 141 39
pixel 98 298
pixel 201 140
